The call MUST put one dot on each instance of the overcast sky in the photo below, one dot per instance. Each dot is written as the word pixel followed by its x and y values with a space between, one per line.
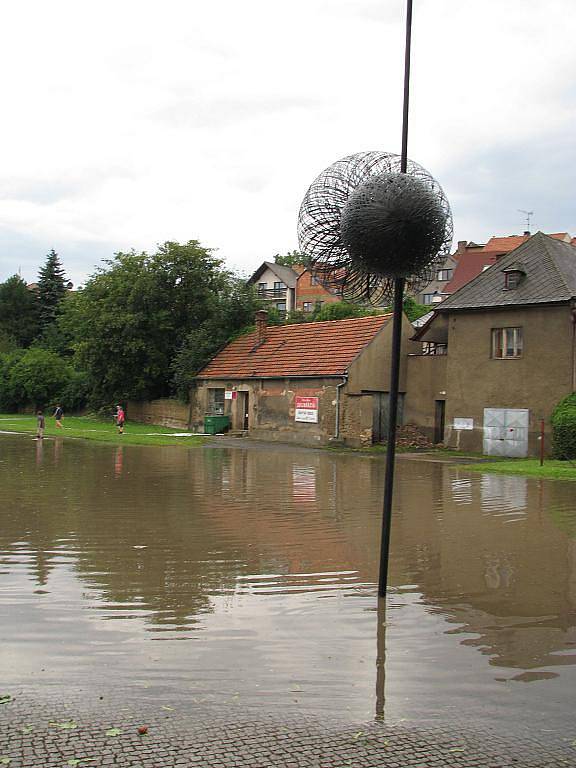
pixel 125 124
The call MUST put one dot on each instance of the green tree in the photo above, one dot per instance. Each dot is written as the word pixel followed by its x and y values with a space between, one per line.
pixel 340 310
pixel 134 314
pixel 51 288
pixel 18 311
pixel 291 258
pixel 232 314
pixel 38 377
pixel 413 310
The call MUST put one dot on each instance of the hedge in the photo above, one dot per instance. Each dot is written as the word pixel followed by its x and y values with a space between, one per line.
pixel 564 428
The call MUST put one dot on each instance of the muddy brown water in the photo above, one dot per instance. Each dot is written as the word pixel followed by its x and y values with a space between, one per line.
pixel 248 575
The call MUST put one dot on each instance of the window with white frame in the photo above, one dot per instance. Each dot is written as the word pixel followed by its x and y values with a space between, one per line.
pixel 444 274
pixel 216 400
pixel 427 298
pixel 507 343
pixel 307 306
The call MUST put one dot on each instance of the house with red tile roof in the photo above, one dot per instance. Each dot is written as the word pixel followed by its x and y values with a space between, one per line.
pixel 310 383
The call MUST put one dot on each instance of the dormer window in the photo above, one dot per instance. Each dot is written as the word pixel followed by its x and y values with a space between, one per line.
pixel 512 280
pixel 513 276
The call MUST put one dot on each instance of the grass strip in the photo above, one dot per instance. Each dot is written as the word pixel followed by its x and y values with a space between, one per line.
pixel 551 469
pixel 99 430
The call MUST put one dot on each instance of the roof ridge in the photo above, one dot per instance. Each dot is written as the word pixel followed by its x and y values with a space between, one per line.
pixel 552 259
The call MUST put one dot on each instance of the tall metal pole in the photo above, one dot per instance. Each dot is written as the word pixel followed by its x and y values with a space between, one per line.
pixel 396 343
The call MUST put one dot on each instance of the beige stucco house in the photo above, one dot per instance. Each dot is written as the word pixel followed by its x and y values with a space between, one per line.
pixel 499 353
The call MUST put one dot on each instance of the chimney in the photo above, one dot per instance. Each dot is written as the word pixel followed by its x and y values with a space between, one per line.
pixel 526 233
pixel 461 246
pixel 261 322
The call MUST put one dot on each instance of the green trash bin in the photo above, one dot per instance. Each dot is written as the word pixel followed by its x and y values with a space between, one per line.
pixel 214 425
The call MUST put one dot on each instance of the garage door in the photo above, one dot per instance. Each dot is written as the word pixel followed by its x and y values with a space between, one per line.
pixel 506 432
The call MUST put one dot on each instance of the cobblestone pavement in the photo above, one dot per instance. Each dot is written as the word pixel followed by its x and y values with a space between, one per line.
pixel 39 730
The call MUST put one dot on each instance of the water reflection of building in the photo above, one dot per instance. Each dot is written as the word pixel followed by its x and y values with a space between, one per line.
pixel 492 563
pixel 495 558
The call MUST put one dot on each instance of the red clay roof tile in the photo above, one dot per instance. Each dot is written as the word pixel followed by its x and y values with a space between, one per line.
pixel 306 349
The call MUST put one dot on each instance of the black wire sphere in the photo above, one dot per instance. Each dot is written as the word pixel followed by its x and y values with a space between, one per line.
pixel 363 223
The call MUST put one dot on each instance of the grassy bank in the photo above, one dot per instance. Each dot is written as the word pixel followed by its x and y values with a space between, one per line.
pixel 551 469
pixel 103 431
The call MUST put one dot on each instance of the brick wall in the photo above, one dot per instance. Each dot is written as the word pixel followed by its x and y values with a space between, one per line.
pixel 167 412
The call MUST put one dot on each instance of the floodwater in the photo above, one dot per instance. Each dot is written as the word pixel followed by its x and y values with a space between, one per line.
pixel 247 576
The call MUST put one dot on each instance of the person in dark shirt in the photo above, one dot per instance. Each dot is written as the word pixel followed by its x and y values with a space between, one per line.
pixel 58 415
pixel 41 422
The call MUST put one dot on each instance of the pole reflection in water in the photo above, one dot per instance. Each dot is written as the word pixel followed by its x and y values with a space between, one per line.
pixel 381 658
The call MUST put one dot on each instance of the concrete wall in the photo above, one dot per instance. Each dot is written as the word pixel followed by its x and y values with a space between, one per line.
pixel 537 380
pixel 371 369
pixel 271 407
pixel 169 413
pixel 425 383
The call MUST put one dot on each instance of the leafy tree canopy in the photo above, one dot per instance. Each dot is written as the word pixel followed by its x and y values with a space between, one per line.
pixel 291 258
pixel 133 316
pixel 18 312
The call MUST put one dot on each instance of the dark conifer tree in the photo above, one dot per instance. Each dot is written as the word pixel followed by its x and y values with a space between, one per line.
pixel 51 288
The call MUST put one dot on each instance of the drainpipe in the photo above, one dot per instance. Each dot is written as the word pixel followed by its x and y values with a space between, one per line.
pixel 338 388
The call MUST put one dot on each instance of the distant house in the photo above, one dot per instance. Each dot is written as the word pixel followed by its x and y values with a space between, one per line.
pixel 499 353
pixel 312 294
pixel 307 383
pixel 276 285
pixel 290 288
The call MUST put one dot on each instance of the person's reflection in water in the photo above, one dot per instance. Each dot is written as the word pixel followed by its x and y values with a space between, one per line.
pixel 118 461
pixel 39 452
pixel 380 657
pixel 58 445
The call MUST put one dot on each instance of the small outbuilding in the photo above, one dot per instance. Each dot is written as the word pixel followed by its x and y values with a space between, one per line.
pixel 309 383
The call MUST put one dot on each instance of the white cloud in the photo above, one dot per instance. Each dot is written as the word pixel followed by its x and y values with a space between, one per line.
pixel 125 124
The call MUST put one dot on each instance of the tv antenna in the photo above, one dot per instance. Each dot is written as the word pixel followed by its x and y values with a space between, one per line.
pixel 527 214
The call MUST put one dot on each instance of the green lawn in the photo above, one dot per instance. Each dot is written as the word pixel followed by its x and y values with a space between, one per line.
pixel 103 431
pixel 551 469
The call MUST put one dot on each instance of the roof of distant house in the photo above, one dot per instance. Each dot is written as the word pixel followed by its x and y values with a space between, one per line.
pixel 549 264
pixel 305 349
pixel 286 274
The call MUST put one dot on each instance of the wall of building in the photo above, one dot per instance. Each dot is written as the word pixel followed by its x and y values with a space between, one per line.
pixel 272 407
pixel 307 291
pixel 371 369
pixel 165 411
pixel 425 384
pixel 537 380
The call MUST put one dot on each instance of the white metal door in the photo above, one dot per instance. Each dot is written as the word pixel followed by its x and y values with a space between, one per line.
pixel 506 432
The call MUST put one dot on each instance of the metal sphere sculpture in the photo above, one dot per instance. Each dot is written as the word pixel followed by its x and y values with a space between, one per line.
pixel 363 223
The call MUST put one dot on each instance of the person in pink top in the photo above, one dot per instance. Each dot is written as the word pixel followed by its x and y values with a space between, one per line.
pixel 120 419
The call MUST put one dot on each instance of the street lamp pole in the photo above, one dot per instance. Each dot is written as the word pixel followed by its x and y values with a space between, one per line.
pixel 396 343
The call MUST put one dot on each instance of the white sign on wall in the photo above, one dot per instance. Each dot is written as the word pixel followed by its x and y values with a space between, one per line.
pixel 463 423
pixel 306 409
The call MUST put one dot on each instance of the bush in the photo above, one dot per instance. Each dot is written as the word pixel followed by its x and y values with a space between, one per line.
pixel 564 428
pixel 40 378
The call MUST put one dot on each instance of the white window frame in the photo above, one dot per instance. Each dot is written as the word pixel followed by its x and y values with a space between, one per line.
pixel 507 343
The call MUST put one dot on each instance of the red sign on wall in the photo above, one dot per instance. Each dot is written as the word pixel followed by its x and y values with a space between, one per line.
pixel 306 409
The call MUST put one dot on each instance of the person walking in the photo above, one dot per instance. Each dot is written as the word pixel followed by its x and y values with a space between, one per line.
pixel 120 419
pixel 58 415
pixel 41 425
